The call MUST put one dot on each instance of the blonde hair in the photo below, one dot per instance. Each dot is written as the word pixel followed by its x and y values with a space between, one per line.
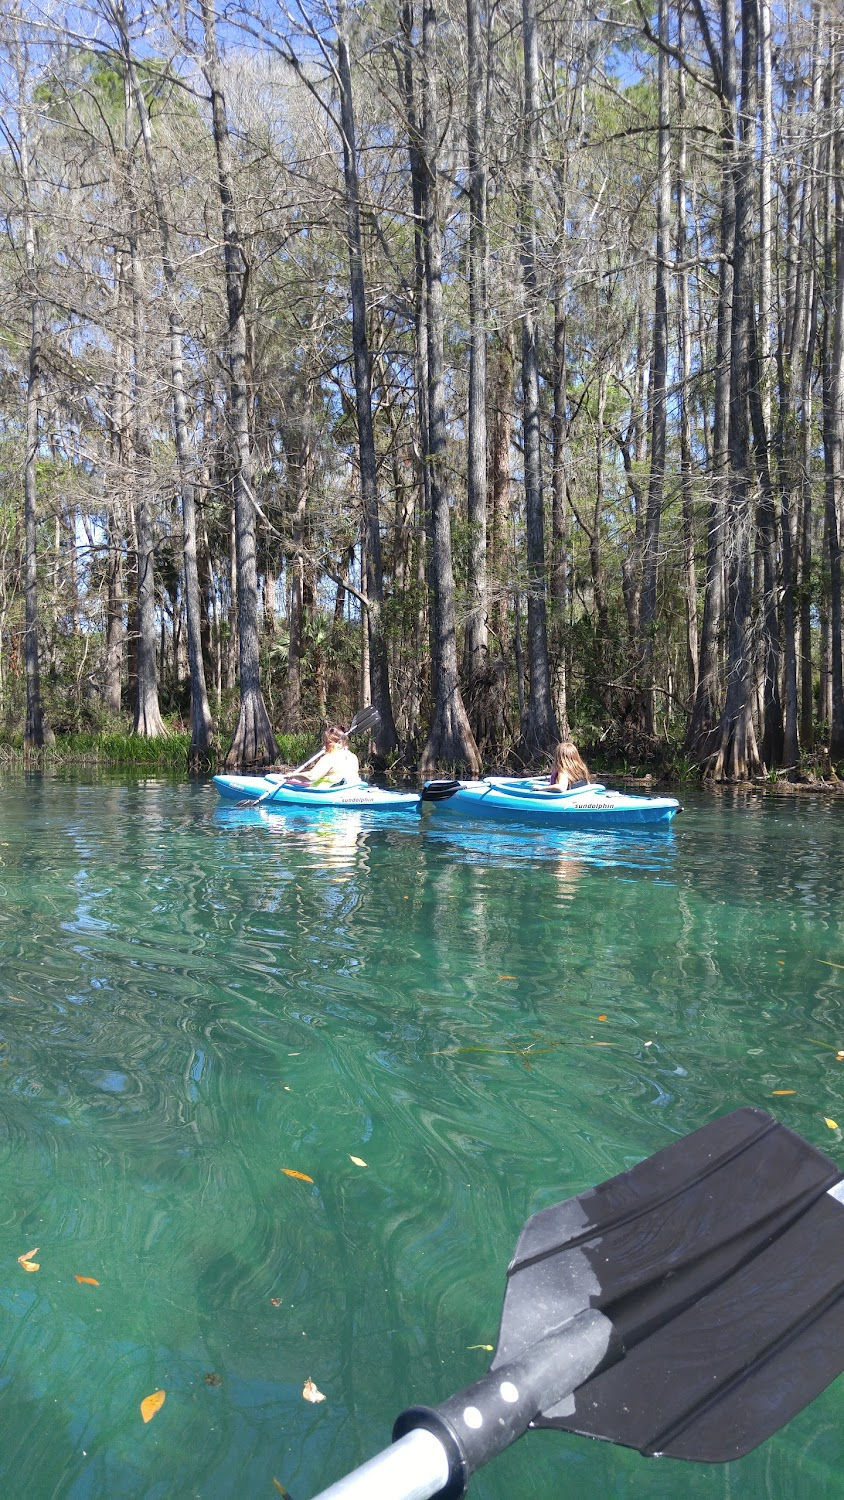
pixel 567 758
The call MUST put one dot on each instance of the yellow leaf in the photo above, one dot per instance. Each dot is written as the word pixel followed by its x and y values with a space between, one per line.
pixel 27 1255
pixel 602 1018
pixel 310 1392
pixel 302 1176
pixel 488 1347
pixel 831 1123
pixel 507 976
pixel 88 1280
pixel 357 1161
pixel 27 1262
pixel 151 1404
pixel 782 1091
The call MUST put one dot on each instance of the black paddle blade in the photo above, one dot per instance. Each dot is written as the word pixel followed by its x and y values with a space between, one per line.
pixel 437 791
pixel 367 718
pixel 719 1263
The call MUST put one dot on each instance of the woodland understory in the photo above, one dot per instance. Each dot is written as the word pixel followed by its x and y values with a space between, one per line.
pixel 483 362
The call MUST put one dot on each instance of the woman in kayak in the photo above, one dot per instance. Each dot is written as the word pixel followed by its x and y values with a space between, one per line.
pixel 570 771
pixel 336 765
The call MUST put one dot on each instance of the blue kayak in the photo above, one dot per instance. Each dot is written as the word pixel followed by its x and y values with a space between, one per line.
pixel 273 791
pixel 531 799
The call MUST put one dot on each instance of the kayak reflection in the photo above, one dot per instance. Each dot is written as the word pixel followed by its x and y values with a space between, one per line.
pixel 516 846
pixel 333 842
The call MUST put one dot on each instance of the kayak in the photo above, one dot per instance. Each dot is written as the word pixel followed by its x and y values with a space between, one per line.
pixel 274 792
pixel 531 799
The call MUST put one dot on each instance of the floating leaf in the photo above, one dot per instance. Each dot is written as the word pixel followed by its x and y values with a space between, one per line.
pixel 276 1301
pixel 277 1482
pixel 310 1392
pixel 27 1262
pixel 602 1018
pixel 301 1176
pixel 88 1280
pixel 151 1404
pixel 489 1347
pixel 507 976
pixel 831 1123
pixel 775 1092
pixel 358 1161
pixel 212 1378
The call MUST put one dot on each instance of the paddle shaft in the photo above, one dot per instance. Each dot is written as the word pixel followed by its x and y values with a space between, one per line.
pixel 414 1468
pixel 474 1426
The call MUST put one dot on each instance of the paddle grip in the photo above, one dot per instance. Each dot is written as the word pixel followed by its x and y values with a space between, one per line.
pixel 488 1416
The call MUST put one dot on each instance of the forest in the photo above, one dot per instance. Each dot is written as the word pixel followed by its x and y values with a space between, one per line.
pixel 481 361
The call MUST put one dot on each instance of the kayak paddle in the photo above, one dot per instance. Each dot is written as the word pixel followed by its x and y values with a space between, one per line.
pixel 365 719
pixel 690 1306
pixel 437 791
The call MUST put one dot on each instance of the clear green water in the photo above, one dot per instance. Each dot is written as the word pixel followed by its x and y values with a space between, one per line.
pixel 194 997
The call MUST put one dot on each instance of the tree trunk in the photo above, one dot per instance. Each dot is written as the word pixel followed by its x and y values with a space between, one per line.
pixel 423 622
pixel 299 464
pixel 147 720
pixel 738 756
pixel 450 740
pixel 807 694
pixel 120 453
pixel 701 739
pixel 559 516
pixel 384 733
pixel 202 728
pixel 770 645
pixel 766 526
pixel 833 395
pixel 658 395
pixel 540 732
pixel 253 742
pixel 685 352
pixel 476 578
pixel 37 731
pixel 500 484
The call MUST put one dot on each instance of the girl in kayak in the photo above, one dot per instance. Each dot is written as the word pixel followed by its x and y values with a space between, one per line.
pixel 570 770
pixel 336 765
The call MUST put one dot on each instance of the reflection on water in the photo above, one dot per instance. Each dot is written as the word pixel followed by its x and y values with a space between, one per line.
pixel 194 996
pixel 333 842
pixel 514 845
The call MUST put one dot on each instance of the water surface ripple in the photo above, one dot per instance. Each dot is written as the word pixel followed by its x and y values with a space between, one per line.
pixel 194 997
